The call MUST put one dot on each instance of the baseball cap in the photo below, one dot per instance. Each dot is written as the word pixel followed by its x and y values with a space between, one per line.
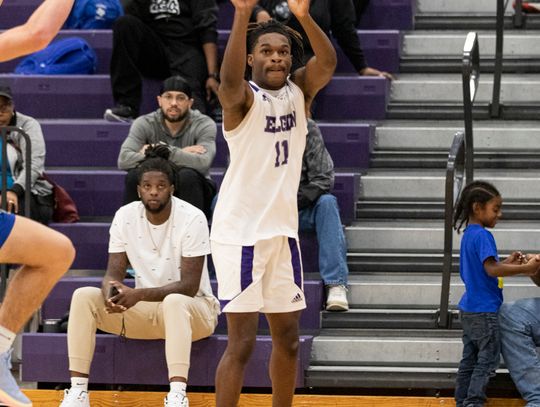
pixel 176 84
pixel 5 91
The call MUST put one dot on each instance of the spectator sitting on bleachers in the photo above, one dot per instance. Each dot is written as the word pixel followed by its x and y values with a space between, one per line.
pixel 319 212
pixel 41 27
pixel 191 137
pixel 41 196
pixel 158 39
pixel 165 240
pixel 335 16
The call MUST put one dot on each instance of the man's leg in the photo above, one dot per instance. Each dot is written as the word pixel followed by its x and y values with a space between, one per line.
pixel 520 335
pixel 242 331
pixel 283 361
pixel 191 186
pixel 186 319
pixel 45 256
pixel 130 187
pixel 137 50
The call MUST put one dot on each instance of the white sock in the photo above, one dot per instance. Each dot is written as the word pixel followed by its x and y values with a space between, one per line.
pixel 6 339
pixel 79 383
pixel 178 387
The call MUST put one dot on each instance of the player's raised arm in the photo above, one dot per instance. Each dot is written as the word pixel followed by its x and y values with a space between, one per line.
pixel 319 69
pixel 234 94
pixel 37 32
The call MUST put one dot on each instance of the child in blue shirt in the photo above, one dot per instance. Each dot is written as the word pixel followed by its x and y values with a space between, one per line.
pixel 479 207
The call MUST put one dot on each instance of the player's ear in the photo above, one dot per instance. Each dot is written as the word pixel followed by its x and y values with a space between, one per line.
pixel 250 60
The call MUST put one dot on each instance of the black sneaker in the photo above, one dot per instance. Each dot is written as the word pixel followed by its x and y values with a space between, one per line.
pixel 120 113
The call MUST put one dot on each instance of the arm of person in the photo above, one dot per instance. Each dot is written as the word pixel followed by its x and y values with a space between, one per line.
pixel 500 269
pixel 317 169
pixel 202 154
pixel 115 274
pixel 188 285
pixel 37 32
pixel 212 81
pixel 235 96
pixel 131 151
pixel 319 69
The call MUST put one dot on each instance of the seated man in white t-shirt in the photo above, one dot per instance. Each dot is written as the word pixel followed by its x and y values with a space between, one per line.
pixel 166 242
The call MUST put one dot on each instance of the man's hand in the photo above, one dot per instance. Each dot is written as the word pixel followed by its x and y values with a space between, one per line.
pixel 368 71
pixel 12 202
pixel 126 298
pixel 300 8
pixel 212 86
pixel 516 258
pixel 244 5
pixel 196 149
pixel 532 266
pixel 143 149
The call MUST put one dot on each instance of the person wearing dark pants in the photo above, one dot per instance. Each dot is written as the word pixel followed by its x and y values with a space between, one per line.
pixel 157 40
pixel 190 135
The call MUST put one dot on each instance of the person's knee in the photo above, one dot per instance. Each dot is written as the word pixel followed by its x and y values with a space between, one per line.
pixel 86 297
pixel 60 254
pixel 241 348
pixel 176 302
pixel 187 177
pixel 327 201
pixel 287 343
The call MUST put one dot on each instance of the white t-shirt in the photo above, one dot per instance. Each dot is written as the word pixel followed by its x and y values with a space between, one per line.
pixel 257 199
pixel 156 258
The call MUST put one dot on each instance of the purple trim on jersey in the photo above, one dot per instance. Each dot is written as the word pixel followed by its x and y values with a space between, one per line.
pixel 255 88
pixel 246 267
pixel 7 220
pixel 223 303
pixel 296 263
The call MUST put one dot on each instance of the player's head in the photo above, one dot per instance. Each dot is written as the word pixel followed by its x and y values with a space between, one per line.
pixel 175 99
pixel 6 105
pixel 479 202
pixel 155 176
pixel 272 48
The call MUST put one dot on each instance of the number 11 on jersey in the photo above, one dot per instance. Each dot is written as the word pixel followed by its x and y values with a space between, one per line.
pixel 283 145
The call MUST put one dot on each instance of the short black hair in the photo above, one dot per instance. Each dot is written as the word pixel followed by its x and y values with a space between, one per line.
pixel 476 192
pixel 157 159
pixel 255 30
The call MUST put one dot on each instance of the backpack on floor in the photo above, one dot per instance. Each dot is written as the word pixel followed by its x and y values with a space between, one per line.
pixel 97 14
pixel 66 56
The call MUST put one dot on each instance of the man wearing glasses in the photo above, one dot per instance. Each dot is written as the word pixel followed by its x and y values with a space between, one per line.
pixel 191 137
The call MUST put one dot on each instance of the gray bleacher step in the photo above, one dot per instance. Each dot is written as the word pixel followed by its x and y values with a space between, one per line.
pixel 402 235
pixel 432 379
pixel 457 6
pixel 392 350
pixel 413 292
pixel 452 64
pixel 449 44
pixel 449 111
pixel 415 135
pixel 514 185
pixel 463 21
pixel 385 209
pixel 362 261
pixel 438 159
pixel 444 89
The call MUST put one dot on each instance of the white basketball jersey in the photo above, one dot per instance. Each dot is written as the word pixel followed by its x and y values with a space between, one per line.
pixel 257 199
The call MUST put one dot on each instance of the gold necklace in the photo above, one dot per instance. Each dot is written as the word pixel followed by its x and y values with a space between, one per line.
pixel 157 248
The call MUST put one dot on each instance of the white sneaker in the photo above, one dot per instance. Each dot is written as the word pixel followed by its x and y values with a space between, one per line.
pixel 176 400
pixel 75 398
pixel 336 299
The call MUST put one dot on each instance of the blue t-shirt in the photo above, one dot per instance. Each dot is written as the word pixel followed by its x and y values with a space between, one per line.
pixel 482 292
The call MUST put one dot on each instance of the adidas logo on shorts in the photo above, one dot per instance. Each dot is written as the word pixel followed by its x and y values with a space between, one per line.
pixel 297 298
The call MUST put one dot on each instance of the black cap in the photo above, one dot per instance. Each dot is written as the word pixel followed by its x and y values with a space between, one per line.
pixel 176 84
pixel 5 91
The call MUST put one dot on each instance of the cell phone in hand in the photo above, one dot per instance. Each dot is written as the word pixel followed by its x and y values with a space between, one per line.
pixel 112 292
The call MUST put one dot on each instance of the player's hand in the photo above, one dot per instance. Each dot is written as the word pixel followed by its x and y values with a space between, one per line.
pixel 12 202
pixel 368 71
pixel 244 5
pixel 300 8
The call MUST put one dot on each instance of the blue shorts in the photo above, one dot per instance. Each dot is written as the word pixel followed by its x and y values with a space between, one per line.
pixel 7 220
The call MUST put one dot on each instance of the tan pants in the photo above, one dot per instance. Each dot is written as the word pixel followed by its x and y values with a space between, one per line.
pixel 179 320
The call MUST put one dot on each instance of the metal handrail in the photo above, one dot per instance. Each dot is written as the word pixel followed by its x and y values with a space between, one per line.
pixel 455 174
pixel 460 165
pixel 495 107
pixel 470 81
pixel 4 132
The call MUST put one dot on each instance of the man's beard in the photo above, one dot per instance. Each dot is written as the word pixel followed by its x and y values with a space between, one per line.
pixel 160 208
pixel 176 119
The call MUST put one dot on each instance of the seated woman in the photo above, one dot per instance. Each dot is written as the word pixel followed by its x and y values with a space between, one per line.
pixel 42 199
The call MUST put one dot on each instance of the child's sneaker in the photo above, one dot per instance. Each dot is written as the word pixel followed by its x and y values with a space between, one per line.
pixel 10 393
pixel 75 398
pixel 530 6
pixel 176 400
